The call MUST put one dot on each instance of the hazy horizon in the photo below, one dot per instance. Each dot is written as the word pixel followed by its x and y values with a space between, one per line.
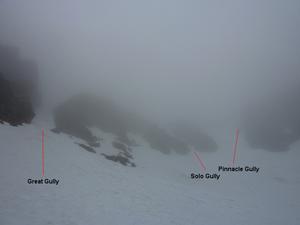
pixel 170 60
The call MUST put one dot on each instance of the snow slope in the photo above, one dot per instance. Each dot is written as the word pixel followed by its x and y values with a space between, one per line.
pixel 93 190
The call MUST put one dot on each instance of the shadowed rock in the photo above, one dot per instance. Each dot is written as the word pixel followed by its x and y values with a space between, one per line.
pixel 160 140
pixel 124 149
pixel 13 110
pixel 274 124
pixel 21 73
pixel 120 159
pixel 76 115
pixel 89 149
pixel 18 87
pixel 194 137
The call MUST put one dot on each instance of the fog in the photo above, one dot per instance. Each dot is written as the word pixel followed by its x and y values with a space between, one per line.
pixel 202 61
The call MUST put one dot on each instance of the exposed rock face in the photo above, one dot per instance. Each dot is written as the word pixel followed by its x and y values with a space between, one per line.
pixel 80 112
pixel 77 115
pixel 120 159
pixel 160 140
pixel 122 147
pixel 13 110
pixel 274 124
pixel 18 87
pixel 195 137
pixel 21 73
pixel 88 148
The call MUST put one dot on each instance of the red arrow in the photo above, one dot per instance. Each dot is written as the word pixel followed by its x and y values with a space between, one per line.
pixel 200 161
pixel 235 146
pixel 43 153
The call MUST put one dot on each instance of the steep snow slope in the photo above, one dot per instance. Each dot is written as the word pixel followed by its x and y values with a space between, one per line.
pixel 93 190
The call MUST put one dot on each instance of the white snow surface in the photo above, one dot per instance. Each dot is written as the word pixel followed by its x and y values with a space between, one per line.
pixel 94 190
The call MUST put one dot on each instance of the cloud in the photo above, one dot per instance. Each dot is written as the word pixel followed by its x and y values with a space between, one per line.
pixel 170 59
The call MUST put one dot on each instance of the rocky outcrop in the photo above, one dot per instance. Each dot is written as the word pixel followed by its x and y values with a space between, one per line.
pixel 120 159
pixel 274 124
pixel 76 116
pixel 124 149
pixel 162 141
pixel 85 147
pixel 18 87
pixel 13 110
pixel 21 73
pixel 195 137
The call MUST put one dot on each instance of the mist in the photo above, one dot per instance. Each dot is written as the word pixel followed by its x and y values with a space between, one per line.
pixel 149 112
pixel 201 61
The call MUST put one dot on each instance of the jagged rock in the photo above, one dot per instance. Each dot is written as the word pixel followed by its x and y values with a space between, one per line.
pixel 78 131
pixel 120 159
pixel 125 150
pixel 120 146
pixel 89 149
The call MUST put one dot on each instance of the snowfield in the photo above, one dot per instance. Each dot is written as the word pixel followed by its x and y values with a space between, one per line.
pixel 94 190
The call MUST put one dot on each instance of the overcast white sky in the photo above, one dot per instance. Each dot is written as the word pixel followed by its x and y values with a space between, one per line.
pixel 192 58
